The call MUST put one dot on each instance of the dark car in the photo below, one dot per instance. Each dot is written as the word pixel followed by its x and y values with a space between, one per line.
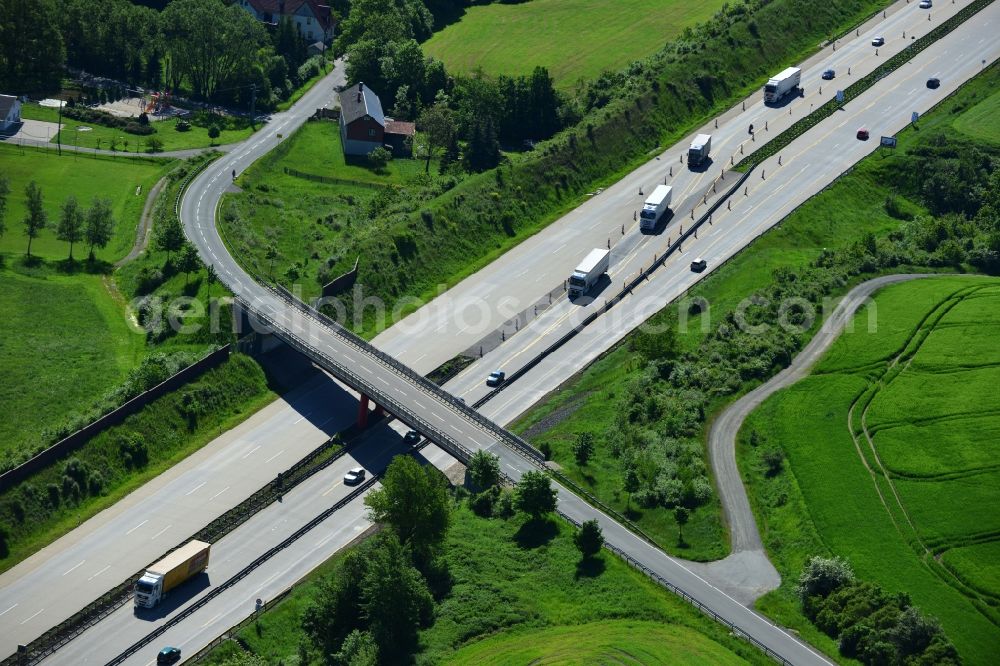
pixel 829 74
pixel 698 265
pixel 412 438
pixel 933 82
pixel 168 655
pixel 863 134
pixel 496 378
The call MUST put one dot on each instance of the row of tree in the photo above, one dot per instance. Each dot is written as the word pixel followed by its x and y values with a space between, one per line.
pixel 93 225
pixel 214 49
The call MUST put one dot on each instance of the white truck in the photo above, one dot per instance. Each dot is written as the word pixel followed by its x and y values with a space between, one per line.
pixel 588 272
pixel 782 84
pixel 654 208
pixel 699 150
pixel 186 562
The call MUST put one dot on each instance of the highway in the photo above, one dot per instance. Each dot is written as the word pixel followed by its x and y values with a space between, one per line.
pixel 198 216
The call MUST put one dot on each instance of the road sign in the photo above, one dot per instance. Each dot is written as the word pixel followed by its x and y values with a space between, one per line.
pixel 914 116
pixel 840 96
pixel 888 141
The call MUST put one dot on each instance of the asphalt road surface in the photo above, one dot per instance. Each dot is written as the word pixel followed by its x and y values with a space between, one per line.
pixel 259 145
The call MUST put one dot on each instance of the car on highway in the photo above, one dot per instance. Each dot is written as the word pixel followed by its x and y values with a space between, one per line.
pixel 863 133
pixel 496 378
pixel 698 265
pixel 933 82
pixel 829 74
pixel 878 41
pixel 168 655
pixel 925 4
pixel 412 438
pixel 354 477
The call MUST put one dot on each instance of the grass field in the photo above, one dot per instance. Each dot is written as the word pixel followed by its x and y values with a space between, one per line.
pixel 166 131
pixel 979 122
pixel 307 221
pixel 894 528
pixel 610 642
pixel 515 38
pixel 505 596
pixel 126 181
pixel 64 343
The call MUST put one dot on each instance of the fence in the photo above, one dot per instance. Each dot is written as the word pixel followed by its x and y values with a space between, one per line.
pixel 330 180
pixel 73 442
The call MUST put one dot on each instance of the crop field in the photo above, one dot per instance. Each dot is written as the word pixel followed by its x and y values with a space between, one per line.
pixel 612 642
pixel 303 219
pixel 913 503
pixel 515 38
pixel 126 181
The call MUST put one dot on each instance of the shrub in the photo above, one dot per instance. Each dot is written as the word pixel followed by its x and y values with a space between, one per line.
pixel 182 126
pixel 823 575
pixel 379 158
pixel 139 128
pixel 154 145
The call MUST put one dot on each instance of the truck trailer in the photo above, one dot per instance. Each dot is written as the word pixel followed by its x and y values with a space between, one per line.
pixel 782 84
pixel 588 272
pixel 186 562
pixel 654 208
pixel 699 150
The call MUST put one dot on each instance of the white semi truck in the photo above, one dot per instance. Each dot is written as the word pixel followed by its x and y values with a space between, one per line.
pixel 184 563
pixel 699 150
pixel 588 272
pixel 782 84
pixel 654 208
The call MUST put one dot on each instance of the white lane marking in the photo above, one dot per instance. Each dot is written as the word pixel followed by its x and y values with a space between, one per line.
pixel 161 532
pixel 332 488
pixel 195 488
pixel 8 610
pixel 250 452
pixel 219 493
pixel 420 358
pixel 74 568
pixel 217 616
pixel 275 456
pixel 417 403
pixel 558 249
pixel 32 617
pixel 99 573
pixel 137 527
pixel 438 417
pixel 382 380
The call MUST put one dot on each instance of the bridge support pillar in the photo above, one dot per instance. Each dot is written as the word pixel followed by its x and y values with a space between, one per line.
pixel 363 412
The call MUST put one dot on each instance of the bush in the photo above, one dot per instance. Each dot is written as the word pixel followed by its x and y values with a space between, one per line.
pixel 139 128
pixel 154 145
pixel 823 575
pixel 182 126
pixel 379 158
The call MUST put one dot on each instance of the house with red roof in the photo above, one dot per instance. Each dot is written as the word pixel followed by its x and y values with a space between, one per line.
pixel 364 126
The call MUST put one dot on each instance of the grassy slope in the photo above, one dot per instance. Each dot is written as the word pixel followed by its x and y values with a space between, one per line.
pixel 807 511
pixel 49 372
pixel 291 212
pixel 503 591
pixel 515 38
pixel 84 177
pixel 196 137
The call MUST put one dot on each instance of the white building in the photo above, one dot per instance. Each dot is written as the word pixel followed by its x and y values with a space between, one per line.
pixel 313 19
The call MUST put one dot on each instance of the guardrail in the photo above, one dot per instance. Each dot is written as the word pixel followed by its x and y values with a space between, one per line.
pixel 243 573
pixel 860 86
pixel 187 181
pixel 116 597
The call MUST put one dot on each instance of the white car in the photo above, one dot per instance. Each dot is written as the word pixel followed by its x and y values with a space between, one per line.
pixel 878 41
pixel 925 4
pixel 354 477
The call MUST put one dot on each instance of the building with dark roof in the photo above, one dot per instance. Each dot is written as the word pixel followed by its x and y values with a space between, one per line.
pixel 313 19
pixel 364 126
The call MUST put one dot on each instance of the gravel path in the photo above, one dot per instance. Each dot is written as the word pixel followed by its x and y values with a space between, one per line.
pixel 145 225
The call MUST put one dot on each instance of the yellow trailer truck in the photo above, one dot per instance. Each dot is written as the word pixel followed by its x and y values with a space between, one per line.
pixel 187 561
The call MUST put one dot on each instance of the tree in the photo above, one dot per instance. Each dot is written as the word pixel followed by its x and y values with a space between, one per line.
pixel 823 575
pixel 70 224
pixel 359 649
pixel 169 236
pixel 483 150
pixel 583 447
pixel 336 609
pixel 211 277
pixel 414 502
pixel 189 261
pixel 630 483
pixel 589 539
pixel 31 46
pixel 35 218
pixel 271 254
pixel 379 158
pixel 681 515
pixel 438 126
pixel 484 468
pixel 4 191
pixel 213 132
pixel 100 224
pixel 535 495
pixel 396 599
